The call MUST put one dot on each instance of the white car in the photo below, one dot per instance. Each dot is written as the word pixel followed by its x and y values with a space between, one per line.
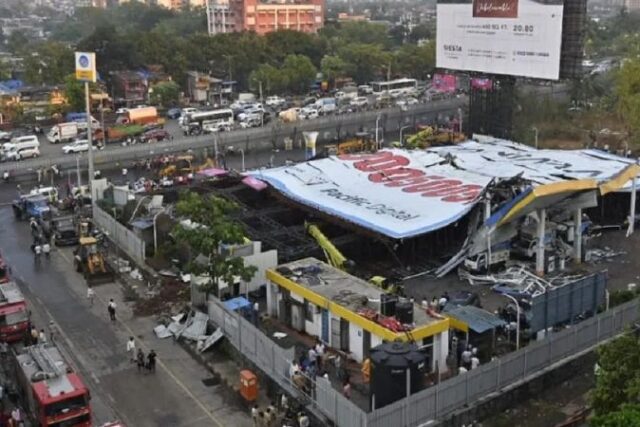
pixel 360 102
pixel 5 136
pixel 274 101
pixel 23 153
pixel 78 146
pixel 309 112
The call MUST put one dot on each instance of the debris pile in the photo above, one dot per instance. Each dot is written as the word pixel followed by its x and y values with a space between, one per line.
pixel 192 326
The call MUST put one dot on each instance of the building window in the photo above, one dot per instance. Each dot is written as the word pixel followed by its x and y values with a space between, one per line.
pixel 308 310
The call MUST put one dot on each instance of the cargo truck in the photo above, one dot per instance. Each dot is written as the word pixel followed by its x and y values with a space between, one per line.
pixel 119 133
pixel 63 132
pixel 140 116
pixel 52 393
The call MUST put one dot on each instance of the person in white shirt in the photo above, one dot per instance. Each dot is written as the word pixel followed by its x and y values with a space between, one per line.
pixel 111 308
pixel 425 303
pixel 313 356
pixel 475 362
pixel 91 295
pixel 131 349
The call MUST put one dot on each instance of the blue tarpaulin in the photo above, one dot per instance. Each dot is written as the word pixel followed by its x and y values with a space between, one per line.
pixel 237 303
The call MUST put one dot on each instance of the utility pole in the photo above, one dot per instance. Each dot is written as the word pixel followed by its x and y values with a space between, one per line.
pixel 261 103
pixel 104 130
pixel 89 139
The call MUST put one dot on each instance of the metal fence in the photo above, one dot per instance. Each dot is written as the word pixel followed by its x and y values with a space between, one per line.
pixel 441 400
pixel 275 362
pixel 565 303
pixel 124 238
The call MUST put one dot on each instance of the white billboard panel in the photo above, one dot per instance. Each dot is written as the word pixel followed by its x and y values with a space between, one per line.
pixel 393 192
pixel 513 37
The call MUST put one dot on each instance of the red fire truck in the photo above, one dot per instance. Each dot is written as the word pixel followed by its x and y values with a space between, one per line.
pixel 4 271
pixel 53 394
pixel 14 316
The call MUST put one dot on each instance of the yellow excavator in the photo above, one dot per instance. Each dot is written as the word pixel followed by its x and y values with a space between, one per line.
pixel 183 165
pixel 336 259
pixel 362 142
pixel 89 261
pixel 431 136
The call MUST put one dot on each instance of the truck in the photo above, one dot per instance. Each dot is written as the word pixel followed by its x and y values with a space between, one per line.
pixel 31 206
pixel 482 261
pixel 14 315
pixel 80 119
pixel 140 116
pixel 4 271
pixel 51 392
pixel 63 132
pixel 119 133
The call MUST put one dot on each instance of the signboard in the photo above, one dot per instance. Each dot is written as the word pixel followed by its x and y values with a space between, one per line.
pixel 513 37
pixel 444 82
pixel 397 193
pixel 86 66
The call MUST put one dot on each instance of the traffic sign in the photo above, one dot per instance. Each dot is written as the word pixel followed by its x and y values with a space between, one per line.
pixel 86 66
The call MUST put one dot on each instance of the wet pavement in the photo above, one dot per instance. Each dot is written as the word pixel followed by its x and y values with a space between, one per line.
pixel 174 396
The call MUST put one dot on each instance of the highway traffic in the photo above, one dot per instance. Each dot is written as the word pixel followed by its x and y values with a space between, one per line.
pixel 270 137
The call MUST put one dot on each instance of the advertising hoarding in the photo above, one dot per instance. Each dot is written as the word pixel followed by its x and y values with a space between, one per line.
pixel 512 37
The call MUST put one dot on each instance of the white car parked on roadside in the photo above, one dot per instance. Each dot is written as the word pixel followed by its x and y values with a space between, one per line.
pixel 78 146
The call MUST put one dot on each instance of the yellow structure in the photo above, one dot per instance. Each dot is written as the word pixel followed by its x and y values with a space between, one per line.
pixel 323 301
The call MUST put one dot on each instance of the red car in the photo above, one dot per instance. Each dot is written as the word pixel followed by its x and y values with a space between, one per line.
pixel 155 135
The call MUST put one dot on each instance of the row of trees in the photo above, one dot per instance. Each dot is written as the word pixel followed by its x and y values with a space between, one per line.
pixel 134 35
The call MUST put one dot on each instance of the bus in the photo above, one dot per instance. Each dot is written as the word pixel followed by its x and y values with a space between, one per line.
pixel 395 87
pixel 195 123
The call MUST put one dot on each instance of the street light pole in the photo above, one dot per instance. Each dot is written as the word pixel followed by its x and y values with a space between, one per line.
pixel 377 127
pixel 242 154
pixel 460 118
pixel 90 143
pixel 535 136
pixel 155 232
pixel 515 301
pixel 401 130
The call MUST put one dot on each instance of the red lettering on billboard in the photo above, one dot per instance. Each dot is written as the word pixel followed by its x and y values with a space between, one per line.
pixel 389 169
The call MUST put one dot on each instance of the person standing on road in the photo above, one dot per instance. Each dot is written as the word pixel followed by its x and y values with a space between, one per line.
pixel 151 361
pixel 91 295
pixel 34 335
pixel 140 360
pixel 111 308
pixel 42 337
pixel 131 349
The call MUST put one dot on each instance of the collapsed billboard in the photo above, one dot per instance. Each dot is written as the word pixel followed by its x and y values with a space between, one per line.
pixel 512 37
pixel 505 159
pixel 397 193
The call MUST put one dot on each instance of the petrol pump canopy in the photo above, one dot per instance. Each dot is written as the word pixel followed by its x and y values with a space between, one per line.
pixel 405 193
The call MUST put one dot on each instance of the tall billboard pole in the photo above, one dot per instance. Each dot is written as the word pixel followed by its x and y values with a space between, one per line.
pixel 86 72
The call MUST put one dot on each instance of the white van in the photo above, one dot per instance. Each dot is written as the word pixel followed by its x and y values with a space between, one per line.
pixel 63 132
pixel 24 152
pixel 19 142
pixel 326 105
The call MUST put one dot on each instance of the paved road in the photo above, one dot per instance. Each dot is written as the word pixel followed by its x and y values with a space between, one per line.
pixel 269 136
pixel 174 396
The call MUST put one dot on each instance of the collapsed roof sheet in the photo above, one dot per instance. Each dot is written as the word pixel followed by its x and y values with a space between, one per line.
pixel 505 159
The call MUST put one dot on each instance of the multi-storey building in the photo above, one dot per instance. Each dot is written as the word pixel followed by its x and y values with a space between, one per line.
pixel 264 16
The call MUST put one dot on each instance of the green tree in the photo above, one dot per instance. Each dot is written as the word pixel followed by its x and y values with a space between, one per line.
pixel 74 92
pixel 627 416
pixel 333 67
pixel 165 94
pixel 416 61
pixel 17 42
pixel 5 70
pixel 299 71
pixel 365 61
pixel 618 379
pixel 628 91
pixel 48 63
pixel 212 229
pixel 272 79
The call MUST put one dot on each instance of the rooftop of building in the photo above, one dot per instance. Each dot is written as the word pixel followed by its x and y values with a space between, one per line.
pixel 341 288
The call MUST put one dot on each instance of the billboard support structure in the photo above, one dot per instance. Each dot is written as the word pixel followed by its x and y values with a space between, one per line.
pixel 491 110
